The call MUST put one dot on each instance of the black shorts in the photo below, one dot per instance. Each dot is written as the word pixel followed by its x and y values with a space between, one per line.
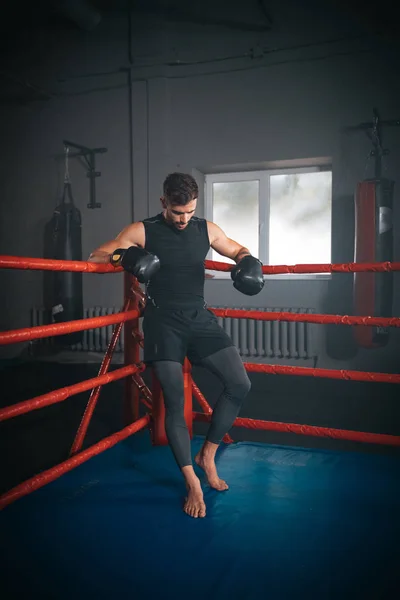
pixel 173 334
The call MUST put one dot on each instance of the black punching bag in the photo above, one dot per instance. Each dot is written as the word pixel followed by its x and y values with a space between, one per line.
pixel 340 344
pixel 63 290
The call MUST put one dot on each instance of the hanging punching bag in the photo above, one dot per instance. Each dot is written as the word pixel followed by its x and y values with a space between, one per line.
pixel 63 241
pixel 373 292
pixel 340 343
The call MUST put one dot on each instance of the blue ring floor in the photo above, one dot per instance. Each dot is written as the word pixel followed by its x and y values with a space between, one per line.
pixel 295 523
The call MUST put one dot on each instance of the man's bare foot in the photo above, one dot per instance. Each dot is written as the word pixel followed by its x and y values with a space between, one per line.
pixel 205 460
pixel 194 504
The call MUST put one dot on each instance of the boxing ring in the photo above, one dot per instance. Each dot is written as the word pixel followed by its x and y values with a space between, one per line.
pixel 107 522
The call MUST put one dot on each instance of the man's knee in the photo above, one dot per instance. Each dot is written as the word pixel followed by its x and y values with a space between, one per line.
pixel 240 386
pixel 237 386
pixel 246 385
pixel 228 366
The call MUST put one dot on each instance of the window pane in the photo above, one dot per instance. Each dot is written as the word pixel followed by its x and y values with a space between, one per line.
pixel 235 210
pixel 300 218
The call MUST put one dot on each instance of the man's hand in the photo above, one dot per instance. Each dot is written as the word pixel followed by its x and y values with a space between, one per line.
pixel 247 276
pixel 137 261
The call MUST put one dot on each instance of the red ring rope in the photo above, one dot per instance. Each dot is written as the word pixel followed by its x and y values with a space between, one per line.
pixel 46 264
pixel 34 483
pixel 259 315
pixel 34 333
pixel 14 336
pixel 50 264
pixel 66 392
pixel 327 432
pixel 309 268
pixel 325 373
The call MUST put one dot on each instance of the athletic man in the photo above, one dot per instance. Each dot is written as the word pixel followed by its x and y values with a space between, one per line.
pixel 167 254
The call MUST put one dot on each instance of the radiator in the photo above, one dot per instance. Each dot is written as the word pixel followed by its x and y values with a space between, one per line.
pixel 258 339
pixel 271 339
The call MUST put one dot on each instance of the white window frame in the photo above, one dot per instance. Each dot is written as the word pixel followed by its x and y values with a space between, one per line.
pixel 263 212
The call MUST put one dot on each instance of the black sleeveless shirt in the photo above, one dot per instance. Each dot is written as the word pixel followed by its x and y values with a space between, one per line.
pixel 180 279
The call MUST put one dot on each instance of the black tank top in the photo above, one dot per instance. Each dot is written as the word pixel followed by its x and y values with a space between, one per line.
pixel 180 279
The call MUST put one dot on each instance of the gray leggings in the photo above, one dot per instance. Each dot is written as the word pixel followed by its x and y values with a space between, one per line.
pixel 227 365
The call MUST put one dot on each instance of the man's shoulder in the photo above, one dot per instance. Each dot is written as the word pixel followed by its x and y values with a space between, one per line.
pixel 199 222
pixel 153 220
pixel 211 226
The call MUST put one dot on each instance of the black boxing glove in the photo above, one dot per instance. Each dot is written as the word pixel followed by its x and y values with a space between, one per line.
pixel 137 261
pixel 247 276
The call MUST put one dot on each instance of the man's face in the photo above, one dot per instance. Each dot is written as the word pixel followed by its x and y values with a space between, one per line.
pixel 177 215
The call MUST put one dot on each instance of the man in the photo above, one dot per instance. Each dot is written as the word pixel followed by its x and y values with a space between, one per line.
pixel 167 253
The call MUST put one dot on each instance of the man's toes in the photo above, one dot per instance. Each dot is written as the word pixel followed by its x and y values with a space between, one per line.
pixel 199 510
pixel 219 484
pixel 189 510
pixel 195 511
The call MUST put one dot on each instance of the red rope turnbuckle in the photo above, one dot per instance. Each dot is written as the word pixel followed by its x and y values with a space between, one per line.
pixel 136 390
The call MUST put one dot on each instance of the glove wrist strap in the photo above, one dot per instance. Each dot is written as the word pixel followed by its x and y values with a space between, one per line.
pixel 247 256
pixel 116 257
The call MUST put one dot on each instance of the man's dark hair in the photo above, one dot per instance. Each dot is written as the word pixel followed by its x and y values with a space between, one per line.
pixel 180 189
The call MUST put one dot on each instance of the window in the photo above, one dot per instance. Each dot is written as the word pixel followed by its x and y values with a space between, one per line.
pixel 281 216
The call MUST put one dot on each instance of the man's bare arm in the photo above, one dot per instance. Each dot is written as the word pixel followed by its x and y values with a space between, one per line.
pixel 132 235
pixel 247 273
pixel 220 242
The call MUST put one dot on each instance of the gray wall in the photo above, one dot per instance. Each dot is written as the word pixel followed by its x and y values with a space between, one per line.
pixel 290 105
